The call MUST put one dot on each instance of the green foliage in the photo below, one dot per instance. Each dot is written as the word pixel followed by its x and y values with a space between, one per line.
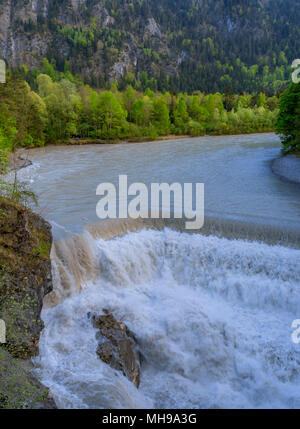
pixel 197 45
pixel 17 191
pixel 288 122
pixel 43 250
pixel 23 116
pixel 111 116
pixel 64 108
pixel 17 311
pixel 7 136
pixel 181 117
pixel 160 116
pixel 62 102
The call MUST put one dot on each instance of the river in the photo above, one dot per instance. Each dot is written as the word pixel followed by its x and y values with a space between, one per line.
pixel 211 312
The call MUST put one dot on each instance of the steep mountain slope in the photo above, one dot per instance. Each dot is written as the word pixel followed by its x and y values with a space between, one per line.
pixel 182 44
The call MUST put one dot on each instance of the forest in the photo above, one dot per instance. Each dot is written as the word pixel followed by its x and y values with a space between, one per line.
pixel 164 45
pixel 59 107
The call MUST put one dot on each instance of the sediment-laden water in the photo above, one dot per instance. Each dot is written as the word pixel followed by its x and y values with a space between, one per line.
pixel 211 311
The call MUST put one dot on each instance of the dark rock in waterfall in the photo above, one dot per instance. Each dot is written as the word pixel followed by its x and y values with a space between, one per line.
pixel 117 346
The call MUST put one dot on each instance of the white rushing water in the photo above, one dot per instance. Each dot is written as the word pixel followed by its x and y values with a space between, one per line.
pixel 212 318
pixel 211 312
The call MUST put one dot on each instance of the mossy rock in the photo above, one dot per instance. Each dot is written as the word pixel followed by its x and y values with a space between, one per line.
pixel 18 387
pixel 25 276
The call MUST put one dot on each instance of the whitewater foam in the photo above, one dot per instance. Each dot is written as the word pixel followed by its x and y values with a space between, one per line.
pixel 211 316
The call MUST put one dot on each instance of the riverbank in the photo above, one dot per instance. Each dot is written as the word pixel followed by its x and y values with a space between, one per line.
pixel 21 160
pixel 145 139
pixel 25 279
pixel 121 141
pixel 287 167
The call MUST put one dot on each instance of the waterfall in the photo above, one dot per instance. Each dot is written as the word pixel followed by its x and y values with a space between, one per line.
pixel 211 313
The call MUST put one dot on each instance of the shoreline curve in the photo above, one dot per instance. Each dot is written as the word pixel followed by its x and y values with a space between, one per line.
pixel 287 167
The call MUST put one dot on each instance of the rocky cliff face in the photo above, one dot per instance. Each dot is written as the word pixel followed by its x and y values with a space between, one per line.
pixel 25 278
pixel 30 30
pixel 15 45
pixel 182 43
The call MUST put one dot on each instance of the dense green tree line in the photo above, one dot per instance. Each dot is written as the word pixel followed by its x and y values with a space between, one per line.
pixel 288 122
pixel 62 107
pixel 23 117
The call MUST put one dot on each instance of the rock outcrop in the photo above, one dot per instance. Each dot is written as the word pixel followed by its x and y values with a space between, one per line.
pixel 25 279
pixel 25 276
pixel 117 346
pixel 18 387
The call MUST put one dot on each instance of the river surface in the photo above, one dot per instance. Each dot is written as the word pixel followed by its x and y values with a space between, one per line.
pixel 211 312
pixel 235 170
